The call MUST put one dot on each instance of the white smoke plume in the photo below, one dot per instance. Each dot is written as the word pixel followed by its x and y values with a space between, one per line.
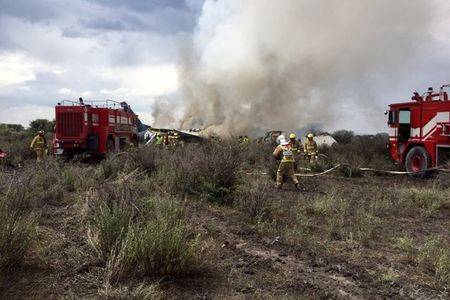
pixel 286 64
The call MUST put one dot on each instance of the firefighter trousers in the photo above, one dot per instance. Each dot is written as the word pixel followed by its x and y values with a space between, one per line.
pixel 286 168
pixel 40 153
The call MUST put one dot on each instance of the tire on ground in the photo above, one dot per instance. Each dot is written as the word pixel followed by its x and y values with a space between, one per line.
pixel 417 161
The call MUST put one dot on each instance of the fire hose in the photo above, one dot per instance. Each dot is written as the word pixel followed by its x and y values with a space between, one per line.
pixel 439 168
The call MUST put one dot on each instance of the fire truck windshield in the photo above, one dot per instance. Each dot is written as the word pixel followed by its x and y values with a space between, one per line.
pixel 404 117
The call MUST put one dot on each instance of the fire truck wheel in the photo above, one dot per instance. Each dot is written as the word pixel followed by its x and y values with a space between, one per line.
pixel 417 161
pixel 110 146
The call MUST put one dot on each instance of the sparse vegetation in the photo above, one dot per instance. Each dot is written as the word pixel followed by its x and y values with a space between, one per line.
pixel 148 222
pixel 17 226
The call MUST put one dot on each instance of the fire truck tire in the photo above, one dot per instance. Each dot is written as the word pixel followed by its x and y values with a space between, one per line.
pixel 417 161
pixel 110 146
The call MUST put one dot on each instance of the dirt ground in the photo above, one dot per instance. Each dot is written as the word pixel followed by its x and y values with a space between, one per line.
pixel 238 262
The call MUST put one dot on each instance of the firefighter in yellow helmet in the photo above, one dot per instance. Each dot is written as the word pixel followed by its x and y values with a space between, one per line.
pixel 310 149
pixel 39 145
pixel 296 148
pixel 286 167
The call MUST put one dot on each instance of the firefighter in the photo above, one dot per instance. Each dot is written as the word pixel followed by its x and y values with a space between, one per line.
pixel 244 140
pixel 310 149
pixel 175 140
pixel 39 145
pixel 286 167
pixel 159 139
pixel 166 141
pixel 296 148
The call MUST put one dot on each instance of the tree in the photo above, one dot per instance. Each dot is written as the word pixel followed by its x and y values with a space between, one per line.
pixel 8 129
pixel 42 124
pixel 343 136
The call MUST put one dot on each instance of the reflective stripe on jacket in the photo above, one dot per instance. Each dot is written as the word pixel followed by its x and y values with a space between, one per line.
pixel 38 143
pixel 296 147
pixel 310 147
pixel 286 153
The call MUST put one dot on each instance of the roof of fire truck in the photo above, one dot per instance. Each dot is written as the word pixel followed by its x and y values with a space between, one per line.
pixel 106 104
pixel 111 104
pixel 429 97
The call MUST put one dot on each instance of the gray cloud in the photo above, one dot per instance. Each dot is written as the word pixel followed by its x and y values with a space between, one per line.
pixel 143 5
pixel 28 10
pixel 67 49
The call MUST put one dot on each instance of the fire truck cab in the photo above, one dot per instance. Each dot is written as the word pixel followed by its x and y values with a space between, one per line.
pixel 419 131
pixel 95 127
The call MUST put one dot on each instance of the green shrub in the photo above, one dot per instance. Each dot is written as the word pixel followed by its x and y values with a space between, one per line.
pixel 335 210
pixel 406 245
pixel 429 199
pixel 434 256
pixel 351 170
pixel 302 228
pixel 159 246
pixel 108 227
pixel 366 224
pixel 138 235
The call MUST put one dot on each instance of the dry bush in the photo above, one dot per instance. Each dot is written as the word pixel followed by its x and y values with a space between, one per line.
pixel 255 155
pixel 208 170
pixel 17 146
pixel 256 200
pixel 17 228
pixel 363 151
pixel 143 291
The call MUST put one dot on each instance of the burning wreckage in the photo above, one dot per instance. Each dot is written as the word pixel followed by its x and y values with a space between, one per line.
pixel 167 135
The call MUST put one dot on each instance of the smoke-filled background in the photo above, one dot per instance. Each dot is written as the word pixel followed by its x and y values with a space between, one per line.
pixel 289 64
pixel 233 66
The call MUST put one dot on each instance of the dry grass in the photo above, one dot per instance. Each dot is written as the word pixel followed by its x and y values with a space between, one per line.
pixel 125 218
pixel 17 226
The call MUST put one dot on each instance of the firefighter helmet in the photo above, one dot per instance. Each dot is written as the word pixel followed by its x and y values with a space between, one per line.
pixel 281 140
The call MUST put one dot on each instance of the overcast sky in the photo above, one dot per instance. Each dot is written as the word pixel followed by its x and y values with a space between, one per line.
pixel 112 49
pixel 99 49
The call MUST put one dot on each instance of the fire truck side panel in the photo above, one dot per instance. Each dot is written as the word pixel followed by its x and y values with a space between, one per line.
pixel 429 128
pixel 83 128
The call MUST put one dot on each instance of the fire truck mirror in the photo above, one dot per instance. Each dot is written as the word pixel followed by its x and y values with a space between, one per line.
pixel 391 117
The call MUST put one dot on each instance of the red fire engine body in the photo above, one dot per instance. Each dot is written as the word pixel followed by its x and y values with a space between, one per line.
pixel 419 131
pixel 99 127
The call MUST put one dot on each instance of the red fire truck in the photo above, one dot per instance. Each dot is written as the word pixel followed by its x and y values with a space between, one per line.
pixel 419 131
pixel 95 127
